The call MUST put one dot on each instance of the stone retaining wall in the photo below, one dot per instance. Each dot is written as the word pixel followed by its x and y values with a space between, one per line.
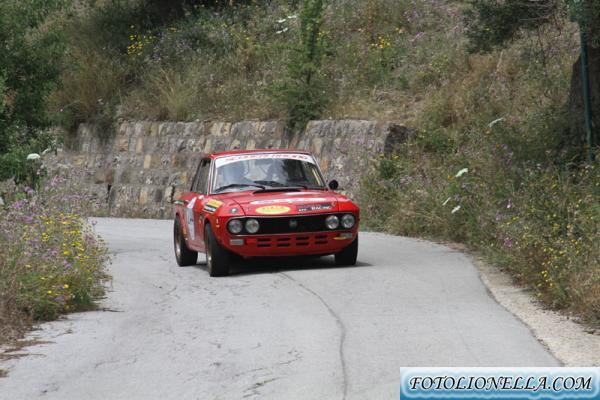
pixel 142 168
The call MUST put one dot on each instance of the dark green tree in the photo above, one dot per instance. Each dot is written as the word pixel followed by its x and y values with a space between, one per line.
pixel 30 67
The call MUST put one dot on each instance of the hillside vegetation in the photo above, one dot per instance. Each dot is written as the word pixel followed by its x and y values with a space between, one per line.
pixel 492 166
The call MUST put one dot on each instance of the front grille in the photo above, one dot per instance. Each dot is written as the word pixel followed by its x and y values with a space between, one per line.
pixel 295 241
pixel 275 225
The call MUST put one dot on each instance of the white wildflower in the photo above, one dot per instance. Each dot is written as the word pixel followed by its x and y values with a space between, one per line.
pixel 446 202
pixel 33 156
pixel 462 172
pixel 282 31
pixel 455 209
pixel 281 21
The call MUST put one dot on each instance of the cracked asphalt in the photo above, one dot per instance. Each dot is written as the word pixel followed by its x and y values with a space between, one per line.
pixel 278 329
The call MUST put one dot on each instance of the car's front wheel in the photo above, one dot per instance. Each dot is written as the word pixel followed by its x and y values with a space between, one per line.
pixel 349 255
pixel 217 258
pixel 183 255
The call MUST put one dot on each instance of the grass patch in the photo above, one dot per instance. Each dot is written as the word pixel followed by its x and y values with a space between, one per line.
pixel 52 261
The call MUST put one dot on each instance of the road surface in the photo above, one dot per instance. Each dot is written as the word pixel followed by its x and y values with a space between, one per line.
pixel 274 330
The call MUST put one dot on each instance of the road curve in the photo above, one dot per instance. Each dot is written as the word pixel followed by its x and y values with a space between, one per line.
pixel 273 330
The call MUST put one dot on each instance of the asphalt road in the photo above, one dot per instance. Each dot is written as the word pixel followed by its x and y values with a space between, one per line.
pixel 276 330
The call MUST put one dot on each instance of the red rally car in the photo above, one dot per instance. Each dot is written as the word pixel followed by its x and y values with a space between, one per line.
pixel 263 203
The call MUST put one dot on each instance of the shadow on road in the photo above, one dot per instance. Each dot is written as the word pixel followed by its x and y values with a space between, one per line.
pixel 269 265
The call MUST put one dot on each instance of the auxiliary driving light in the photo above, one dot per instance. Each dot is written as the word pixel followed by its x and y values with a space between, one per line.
pixel 348 221
pixel 235 226
pixel 332 222
pixel 252 226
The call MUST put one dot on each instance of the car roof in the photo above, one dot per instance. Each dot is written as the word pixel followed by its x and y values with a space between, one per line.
pixel 236 152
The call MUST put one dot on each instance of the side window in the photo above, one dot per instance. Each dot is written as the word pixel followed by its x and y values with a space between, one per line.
pixel 197 176
pixel 202 178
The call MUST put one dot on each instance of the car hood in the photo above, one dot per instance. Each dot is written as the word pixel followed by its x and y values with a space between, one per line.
pixel 286 203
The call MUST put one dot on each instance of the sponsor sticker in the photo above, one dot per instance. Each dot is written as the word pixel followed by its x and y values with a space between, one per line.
pixel 314 207
pixel 272 210
pixel 212 205
pixel 500 383
pixel 189 218
pixel 289 201
pixel 258 156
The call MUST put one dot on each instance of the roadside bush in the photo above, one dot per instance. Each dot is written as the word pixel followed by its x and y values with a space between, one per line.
pixel 52 261
pixel 540 223
pixel 490 168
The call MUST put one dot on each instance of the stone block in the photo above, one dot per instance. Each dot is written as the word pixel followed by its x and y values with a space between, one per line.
pixel 99 176
pixel 153 129
pixel 147 161
pixel 139 146
pixel 125 177
pixel 79 160
pixel 122 144
pixel 143 199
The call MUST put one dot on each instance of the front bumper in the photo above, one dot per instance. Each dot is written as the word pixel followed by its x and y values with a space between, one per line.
pixel 292 244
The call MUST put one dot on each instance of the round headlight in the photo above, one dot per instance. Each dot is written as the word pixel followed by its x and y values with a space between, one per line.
pixel 332 222
pixel 252 226
pixel 235 226
pixel 348 221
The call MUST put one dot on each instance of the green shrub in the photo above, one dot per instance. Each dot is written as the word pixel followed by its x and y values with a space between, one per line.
pixel 302 89
pixel 14 164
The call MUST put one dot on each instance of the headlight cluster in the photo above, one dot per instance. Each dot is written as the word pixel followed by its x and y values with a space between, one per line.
pixel 333 222
pixel 348 221
pixel 235 226
pixel 252 225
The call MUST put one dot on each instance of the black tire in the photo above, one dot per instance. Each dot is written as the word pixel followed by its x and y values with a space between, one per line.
pixel 183 255
pixel 217 258
pixel 349 255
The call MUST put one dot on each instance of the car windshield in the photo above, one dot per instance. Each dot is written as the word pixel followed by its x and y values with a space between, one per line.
pixel 266 171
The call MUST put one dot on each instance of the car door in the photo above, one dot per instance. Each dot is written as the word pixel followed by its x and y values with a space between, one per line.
pixel 196 205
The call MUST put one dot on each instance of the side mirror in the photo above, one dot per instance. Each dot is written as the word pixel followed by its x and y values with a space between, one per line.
pixel 333 184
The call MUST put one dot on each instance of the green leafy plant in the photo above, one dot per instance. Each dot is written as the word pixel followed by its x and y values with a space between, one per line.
pixel 302 90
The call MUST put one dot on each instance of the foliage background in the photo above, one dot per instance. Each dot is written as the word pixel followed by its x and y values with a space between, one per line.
pixel 488 90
